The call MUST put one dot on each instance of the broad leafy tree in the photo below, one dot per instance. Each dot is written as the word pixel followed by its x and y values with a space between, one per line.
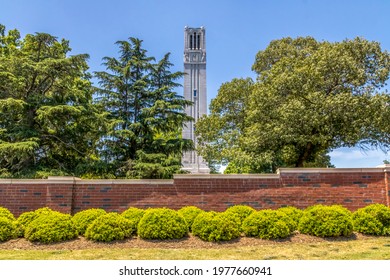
pixel 309 98
pixel 48 124
pixel 145 114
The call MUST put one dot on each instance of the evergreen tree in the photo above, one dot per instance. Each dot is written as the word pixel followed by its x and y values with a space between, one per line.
pixel 145 114
pixel 48 124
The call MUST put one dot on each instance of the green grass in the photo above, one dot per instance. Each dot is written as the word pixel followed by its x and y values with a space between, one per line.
pixel 368 249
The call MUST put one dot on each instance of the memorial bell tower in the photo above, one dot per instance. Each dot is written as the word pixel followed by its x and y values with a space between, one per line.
pixel 194 90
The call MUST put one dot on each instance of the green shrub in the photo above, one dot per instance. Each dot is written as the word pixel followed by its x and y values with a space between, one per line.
pixel 326 221
pixel 373 219
pixel 23 221
pixel 267 224
pixel 27 217
pixel 294 215
pixel 110 227
pixel 7 229
pixel 134 214
pixel 190 213
pixel 242 212
pixel 162 223
pixel 213 226
pixel 50 228
pixel 84 218
pixel 5 213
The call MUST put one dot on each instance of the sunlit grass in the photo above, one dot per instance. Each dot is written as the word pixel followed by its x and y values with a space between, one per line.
pixel 368 249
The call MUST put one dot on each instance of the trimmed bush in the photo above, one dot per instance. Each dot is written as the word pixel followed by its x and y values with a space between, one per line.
pixel 7 229
pixel 84 218
pixel 326 221
pixel 134 214
pixel 110 227
pixel 266 224
pixel 213 226
pixel 294 215
pixel 242 212
pixel 373 219
pixel 5 213
pixel 190 213
pixel 27 217
pixel 50 228
pixel 162 223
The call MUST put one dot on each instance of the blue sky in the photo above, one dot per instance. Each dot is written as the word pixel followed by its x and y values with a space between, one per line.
pixel 235 32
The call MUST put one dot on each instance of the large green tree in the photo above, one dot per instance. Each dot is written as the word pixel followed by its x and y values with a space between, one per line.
pixel 145 114
pixel 48 124
pixel 309 98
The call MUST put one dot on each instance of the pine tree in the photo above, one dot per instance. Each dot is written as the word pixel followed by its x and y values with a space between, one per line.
pixel 48 124
pixel 145 114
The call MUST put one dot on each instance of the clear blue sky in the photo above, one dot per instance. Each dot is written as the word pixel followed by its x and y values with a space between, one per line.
pixel 235 31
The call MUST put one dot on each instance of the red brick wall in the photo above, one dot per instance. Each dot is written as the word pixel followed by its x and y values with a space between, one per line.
pixel 353 188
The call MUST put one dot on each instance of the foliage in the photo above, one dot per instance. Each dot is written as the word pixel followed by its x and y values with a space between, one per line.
pixel 84 218
pixel 5 213
pixel 110 227
pixel 23 220
pixel 162 223
pixel 373 219
pixel 27 217
pixel 300 107
pixel 134 214
pixel 266 224
pixel 190 213
pixel 48 124
pixel 242 212
pixel 7 229
pixel 51 228
pixel 294 214
pixel 145 114
pixel 214 227
pixel 326 221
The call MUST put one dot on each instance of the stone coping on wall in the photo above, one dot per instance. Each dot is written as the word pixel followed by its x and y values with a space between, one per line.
pixel 64 180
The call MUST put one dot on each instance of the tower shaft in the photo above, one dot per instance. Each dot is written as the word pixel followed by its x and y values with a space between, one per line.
pixel 195 91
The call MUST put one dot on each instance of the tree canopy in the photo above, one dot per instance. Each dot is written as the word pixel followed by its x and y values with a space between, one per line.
pixel 309 98
pixel 53 121
pixel 145 114
pixel 47 120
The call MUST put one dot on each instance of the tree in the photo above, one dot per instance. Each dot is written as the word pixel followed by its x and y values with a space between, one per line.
pixel 48 124
pixel 310 98
pixel 145 114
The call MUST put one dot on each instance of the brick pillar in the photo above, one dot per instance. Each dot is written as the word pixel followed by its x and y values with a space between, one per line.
pixel 387 182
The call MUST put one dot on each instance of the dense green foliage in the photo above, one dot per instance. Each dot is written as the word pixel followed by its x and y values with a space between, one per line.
pixel 110 227
pixel 54 122
pixel 134 214
pixel 242 212
pixel 48 226
pixel 27 217
pixel 326 221
pixel 190 213
pixel 145 114
pixel 213 226
pixel 267 224
pixel 7 229
pixel 300 107
pixel 51 228
pixel 294 214
pixel 48 124
pixel 162 223
pixel 84 218
pixel 373 219
pixel 5 213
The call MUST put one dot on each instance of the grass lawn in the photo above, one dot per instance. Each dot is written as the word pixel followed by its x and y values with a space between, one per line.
pixel 369 248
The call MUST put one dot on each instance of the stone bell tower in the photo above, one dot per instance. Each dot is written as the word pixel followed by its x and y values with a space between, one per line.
pixel 194 90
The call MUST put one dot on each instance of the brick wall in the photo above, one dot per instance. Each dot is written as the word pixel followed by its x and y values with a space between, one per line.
pixel 352 187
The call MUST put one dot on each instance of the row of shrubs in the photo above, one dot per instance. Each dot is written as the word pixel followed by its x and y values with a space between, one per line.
pixel 47 226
